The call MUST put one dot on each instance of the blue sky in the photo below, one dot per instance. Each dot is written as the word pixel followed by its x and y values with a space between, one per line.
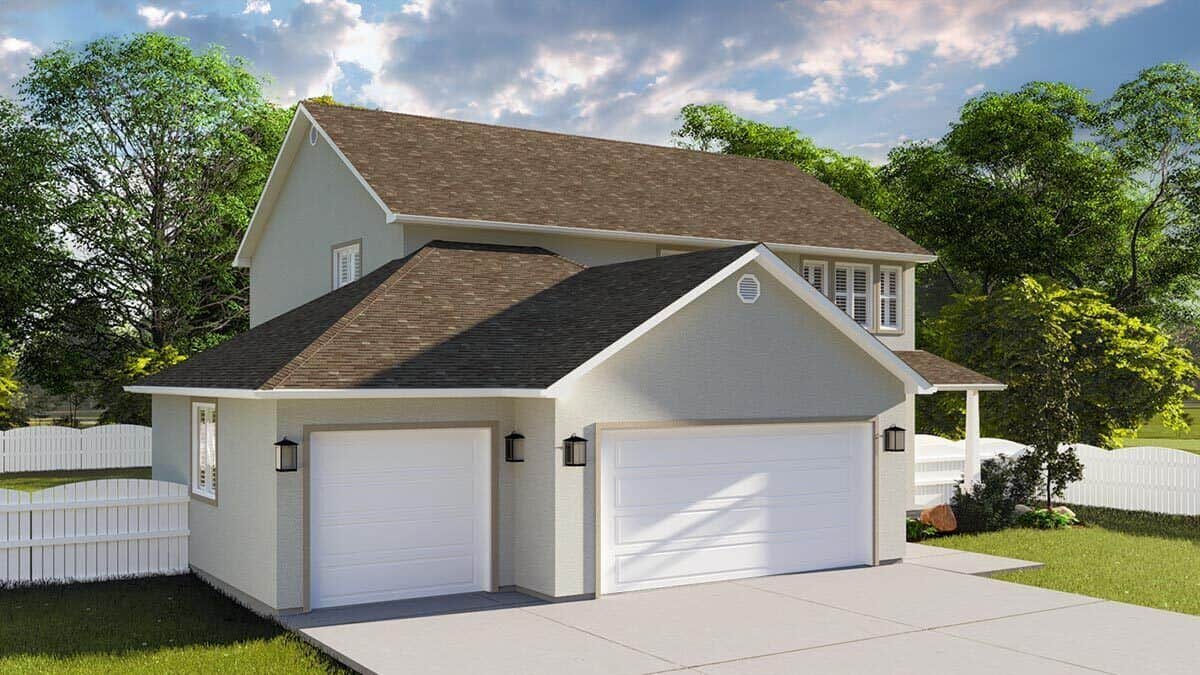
pixel 857 75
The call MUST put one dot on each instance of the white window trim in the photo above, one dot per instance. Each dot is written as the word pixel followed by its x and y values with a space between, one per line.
pixel 869 324
pixel 824 287
pixel 196 489
pixel 899 327
pixel 337 249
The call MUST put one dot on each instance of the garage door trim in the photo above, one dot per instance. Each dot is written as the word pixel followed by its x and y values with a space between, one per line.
pixel 598 478
pixel 491 426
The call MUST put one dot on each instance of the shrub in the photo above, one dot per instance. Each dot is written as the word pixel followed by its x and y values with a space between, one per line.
pixel 1045 519
pixel 992 503
pixel 916 530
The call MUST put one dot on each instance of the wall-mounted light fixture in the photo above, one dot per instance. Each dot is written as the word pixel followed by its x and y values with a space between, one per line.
pixel 893 439
pixel 514 447
pixel 286 454
pixel 575 451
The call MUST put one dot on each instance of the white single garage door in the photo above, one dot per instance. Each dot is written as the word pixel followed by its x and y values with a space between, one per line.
pixel 693 504
pixel 399 514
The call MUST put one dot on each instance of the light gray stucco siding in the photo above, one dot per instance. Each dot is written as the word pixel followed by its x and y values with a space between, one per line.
pixel 583 250
pixel 722 359
pixel 321 204
pixel 170 438
pixel 234 540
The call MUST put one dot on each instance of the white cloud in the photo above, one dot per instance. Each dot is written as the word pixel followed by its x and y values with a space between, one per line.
pixel 257 7
pixel 975 89
pixel 157 17
pixel 419 8
pixel 883 92
pixel 15 54
pixel 821 91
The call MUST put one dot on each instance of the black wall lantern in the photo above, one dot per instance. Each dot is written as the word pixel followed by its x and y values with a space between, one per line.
pixel 575 451
pixel 286 454
pixel 514 447
pixel 893 439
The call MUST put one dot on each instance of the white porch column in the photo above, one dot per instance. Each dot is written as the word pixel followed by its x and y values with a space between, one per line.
pixel 971 470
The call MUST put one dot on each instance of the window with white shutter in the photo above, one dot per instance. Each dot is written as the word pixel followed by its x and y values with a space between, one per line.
pixel 890 279
pixel 814 273
pixel 204 450
pixel 347 264
pixel 852 291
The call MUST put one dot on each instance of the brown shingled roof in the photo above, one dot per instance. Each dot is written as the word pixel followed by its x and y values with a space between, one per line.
pixel 452 315
pixel 435 167
pixel 939 371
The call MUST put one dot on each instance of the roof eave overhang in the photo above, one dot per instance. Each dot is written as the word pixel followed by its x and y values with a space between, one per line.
pixel 293 394
pixel 670 239
pixel 982 386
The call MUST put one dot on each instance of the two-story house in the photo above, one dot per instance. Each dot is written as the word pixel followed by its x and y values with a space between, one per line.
pixel 564 365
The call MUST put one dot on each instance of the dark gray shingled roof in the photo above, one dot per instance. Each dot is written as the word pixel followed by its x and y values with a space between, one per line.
pixel 452 315
pixel 424 166
pixel 938 371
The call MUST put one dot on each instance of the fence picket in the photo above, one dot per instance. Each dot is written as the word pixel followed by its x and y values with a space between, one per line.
pixel 1163 480
pixel 93 530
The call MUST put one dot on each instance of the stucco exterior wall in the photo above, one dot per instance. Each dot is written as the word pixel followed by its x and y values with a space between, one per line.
pixel 170 438
pixel 234 540
pixel 321 204
pixel 584 250
pixel 721 359
pixel 519 483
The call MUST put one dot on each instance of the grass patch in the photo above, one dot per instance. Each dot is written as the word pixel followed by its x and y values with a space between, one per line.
pixel 1131 556
pixel 32 481
pixel 156 625
pixel 1154 433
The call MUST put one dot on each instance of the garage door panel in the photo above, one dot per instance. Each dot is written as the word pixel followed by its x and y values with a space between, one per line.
pixel 694 524
pixel 781 498
pixel 398 514
pixel 767 482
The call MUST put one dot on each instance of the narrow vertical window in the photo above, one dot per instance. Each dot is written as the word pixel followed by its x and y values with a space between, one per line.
pixel 852 290
pixel 814 273
pixel 347 264
pixel 204 450
pixel 890 279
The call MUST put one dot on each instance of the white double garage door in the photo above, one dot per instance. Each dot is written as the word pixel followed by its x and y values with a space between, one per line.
pixel 407 513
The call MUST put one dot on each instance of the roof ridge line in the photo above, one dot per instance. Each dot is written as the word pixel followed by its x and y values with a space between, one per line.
pixel 276 381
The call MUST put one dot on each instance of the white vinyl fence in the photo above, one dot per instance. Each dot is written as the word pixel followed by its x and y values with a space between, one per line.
pixel 1162 480
pixel 101 529
pixel 63 449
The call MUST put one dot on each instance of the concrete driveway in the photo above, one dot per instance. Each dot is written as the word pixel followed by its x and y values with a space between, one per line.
pixel 904 618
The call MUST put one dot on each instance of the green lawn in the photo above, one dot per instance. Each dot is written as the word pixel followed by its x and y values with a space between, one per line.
pixel 39 480
pixel 1154 433
pixel 1142 558
pixel 156 625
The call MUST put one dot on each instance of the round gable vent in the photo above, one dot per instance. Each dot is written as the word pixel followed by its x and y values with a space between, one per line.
pixel 748 288
pixel 312 136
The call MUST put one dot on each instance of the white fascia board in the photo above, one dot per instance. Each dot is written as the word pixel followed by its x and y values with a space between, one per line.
pixel 913 382
pixel 676 239
pixel 245 251
pixel 284 394
pixel 970 387
pixel 646 326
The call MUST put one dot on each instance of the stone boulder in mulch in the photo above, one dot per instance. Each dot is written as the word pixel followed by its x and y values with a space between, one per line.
pixel 940 517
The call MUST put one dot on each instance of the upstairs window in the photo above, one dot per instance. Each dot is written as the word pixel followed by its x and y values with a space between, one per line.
pixel 889 298
pixel 204 450
pixel 814 273
pixel 347 263
pixel 852 291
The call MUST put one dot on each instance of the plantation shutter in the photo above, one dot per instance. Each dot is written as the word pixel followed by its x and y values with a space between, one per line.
pixel 204 450
pixel 347 264
pixel 889 298
pixel 851 290
pixel 814 273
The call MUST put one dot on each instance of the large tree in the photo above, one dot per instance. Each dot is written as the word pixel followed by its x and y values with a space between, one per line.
pixel 160 153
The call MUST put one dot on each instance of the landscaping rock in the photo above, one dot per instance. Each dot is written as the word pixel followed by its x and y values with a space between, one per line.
pixel 1064 511
pixel 941 517
pixel 1020 510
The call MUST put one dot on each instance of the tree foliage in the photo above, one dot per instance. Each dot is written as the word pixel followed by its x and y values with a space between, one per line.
pixel 714 128
pixel 159 153
pixel 1077 369
pixel 12 399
